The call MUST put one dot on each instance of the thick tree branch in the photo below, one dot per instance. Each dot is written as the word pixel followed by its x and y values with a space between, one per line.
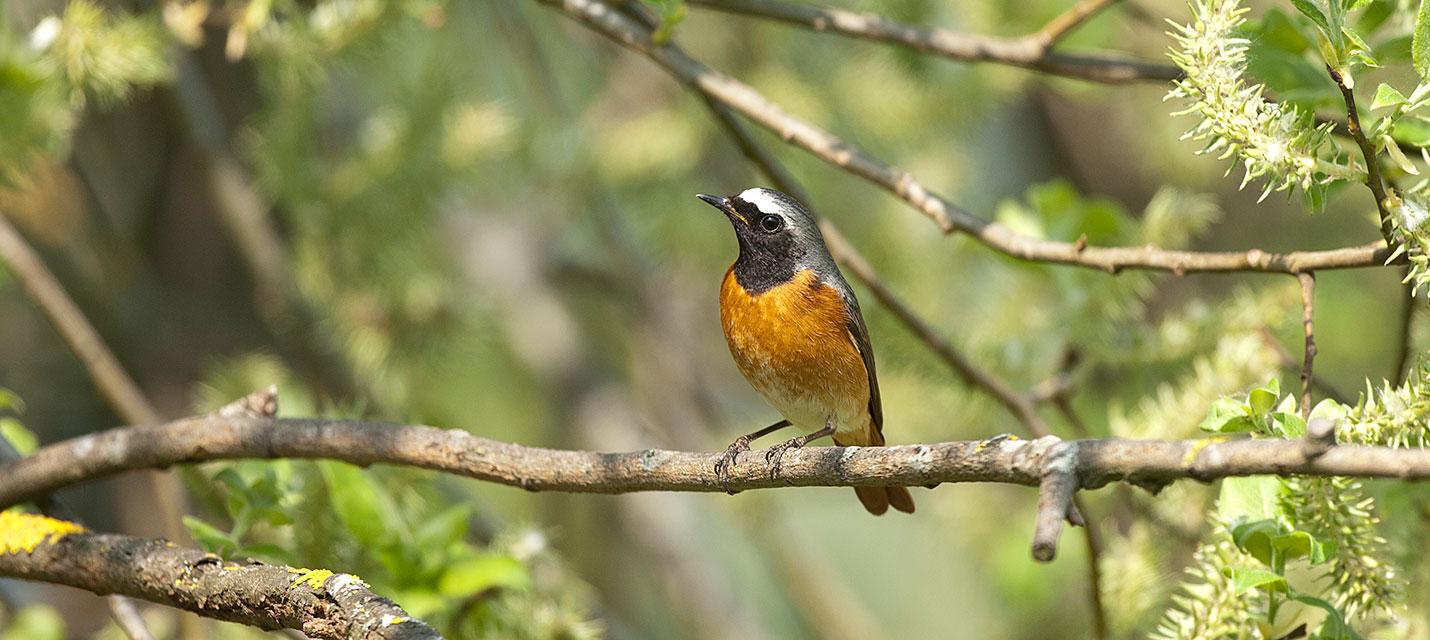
pixel 318 603
pixel 1148 463
pixel 1033 51
pixel 606 20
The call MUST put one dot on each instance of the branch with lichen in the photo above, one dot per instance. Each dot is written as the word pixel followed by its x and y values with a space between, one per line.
pixel 319 603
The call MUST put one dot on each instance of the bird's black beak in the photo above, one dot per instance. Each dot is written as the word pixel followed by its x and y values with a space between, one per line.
pixel 723 204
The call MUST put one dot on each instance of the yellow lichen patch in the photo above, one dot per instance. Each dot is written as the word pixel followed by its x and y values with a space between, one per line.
pixel 1197 447
pixel 20 531
pixel 389 620
pixel 310 578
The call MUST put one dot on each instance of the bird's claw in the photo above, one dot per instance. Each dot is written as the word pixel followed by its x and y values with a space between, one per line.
pixel 775 455
pixel 723 465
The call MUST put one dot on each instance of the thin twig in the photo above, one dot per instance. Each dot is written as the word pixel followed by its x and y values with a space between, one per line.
pixel 320 604
pixel 1092 536
pixel 1383 201
pixel 1405 343
pixel 1033 51
pixel 109 376
pixel 603 19
pixel 1064 23
pixel 1146 463
pixel 1308 308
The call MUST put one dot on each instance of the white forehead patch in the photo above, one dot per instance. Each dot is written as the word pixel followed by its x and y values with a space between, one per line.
pixel 763 199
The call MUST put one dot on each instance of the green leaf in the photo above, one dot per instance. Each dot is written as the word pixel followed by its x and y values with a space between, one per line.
pixel 1244 579
pixel 1226 415
pixel 1290 425
pixel 444 529
pixel 1420 41
pixel 1262 400
pixel 1255 538
pixel 1310 10
pixel 18 436
pixel 474 575
pixel 1250 499
pixel 211 538
pixel 363 507
pixel 1386 96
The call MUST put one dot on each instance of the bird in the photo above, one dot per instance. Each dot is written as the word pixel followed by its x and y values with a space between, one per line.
pixel 797 335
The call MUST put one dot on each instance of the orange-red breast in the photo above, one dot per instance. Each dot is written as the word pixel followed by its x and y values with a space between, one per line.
pixel 795 330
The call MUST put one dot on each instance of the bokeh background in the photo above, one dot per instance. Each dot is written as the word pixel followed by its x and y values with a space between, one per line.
pixel 489 220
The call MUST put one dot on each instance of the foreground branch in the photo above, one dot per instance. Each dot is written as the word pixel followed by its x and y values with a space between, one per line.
pixel 606 20
pixel 318 603
pixel 1033 51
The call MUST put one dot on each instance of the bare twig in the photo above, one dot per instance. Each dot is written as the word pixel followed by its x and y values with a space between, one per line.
pixel 1033 51
pixel 603 19
pixel 318 603
pixel 1146 463
pixel 1064 23
pixel 109 376
pixel 1308 308
pixel 1405 341
pixel 1093 539
pixel 1383 199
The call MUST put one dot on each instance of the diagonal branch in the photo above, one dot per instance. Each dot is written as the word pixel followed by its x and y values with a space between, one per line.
pixel 605 20
pixel 321 604
pixel 1033 51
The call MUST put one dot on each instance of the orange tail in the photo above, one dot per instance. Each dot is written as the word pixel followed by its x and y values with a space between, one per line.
pixel 877 500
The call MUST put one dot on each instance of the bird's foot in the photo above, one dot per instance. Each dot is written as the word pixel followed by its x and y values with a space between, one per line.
pixel 775 455
pixel 722 466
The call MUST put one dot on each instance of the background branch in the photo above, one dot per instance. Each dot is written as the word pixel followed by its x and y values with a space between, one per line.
pixel 604 19
pixel 1033 51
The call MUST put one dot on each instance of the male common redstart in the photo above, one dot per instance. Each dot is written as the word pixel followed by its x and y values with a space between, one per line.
pixel 794 328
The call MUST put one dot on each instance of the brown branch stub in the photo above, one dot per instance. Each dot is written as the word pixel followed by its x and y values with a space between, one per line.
pixel 1033 51
pixel 949 217
pixel 320 604
pixel 1056 488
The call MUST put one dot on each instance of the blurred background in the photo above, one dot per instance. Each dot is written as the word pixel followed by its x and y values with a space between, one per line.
pixel 482 216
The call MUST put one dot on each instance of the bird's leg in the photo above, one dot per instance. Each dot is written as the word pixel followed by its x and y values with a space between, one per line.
pixel 741 445
pixel 777 453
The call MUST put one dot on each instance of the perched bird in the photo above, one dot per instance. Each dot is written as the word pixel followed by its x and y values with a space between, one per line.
pixel 794 328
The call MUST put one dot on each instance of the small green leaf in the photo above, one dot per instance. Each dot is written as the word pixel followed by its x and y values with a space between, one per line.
pixel 443 529
pixel 474 575
pixel 1310 10
pixel 18 436
pixel 1244 579
pixel 1249 499
pixel 1420 41
pixel 1255 538
pixel 1261 400
pixel 363 507
pixel 1226 415
pixel 211 538
pixel 1386 96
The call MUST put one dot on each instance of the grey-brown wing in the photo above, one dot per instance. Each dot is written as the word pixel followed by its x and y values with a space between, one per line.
pixel 860 335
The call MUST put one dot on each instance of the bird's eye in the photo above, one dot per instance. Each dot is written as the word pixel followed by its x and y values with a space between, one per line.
pixel 771 223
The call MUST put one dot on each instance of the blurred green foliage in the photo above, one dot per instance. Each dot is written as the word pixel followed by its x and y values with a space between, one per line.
pixel 491 211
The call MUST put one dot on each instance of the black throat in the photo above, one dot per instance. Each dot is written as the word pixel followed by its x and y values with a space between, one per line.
pixel 766 263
